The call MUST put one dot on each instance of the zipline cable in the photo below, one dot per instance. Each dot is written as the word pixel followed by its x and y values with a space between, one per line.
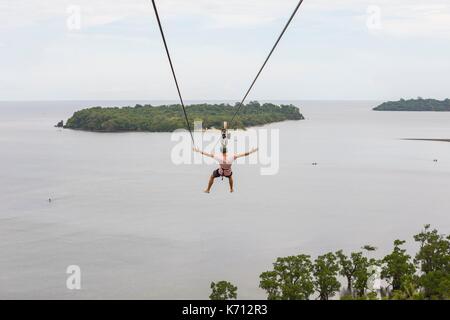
pixel 265 62
pixel 173 70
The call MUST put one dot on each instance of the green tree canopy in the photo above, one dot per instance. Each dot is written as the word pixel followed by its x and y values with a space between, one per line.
pixel 363 272
pixel 296 278
pixel 223 290
pixel 325 270
pixel 347 269
pixel 434 260
pixel 397 266
pixel 357 270
pixel 290 279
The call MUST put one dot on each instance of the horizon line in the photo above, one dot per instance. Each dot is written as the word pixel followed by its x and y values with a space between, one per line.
pixel 176 100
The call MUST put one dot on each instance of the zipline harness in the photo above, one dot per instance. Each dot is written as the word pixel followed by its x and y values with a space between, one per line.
pixel 225 135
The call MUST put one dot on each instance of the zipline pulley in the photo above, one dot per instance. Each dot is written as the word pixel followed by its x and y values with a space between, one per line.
pixel 225 135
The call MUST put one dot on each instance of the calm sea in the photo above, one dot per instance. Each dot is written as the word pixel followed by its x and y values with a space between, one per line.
pixel 140 227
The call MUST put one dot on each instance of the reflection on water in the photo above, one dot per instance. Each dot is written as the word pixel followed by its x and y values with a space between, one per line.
pixel 140 227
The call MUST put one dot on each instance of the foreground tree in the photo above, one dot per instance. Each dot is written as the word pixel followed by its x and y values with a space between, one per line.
pixel 325 270
pixel 408 290
pixel 397 267
pixel 290 279
pixel 357 269
pixel 223 290
pixel 434 260
pixel 295 277
pixel 364 269
pixel 347 269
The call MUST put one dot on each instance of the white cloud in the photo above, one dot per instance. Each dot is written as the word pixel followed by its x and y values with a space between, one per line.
pixel 412 18
pixel 325 54
pixel 229 13
pixel 19 13
pixel 417 20
pixel 399 17
pixel 97 12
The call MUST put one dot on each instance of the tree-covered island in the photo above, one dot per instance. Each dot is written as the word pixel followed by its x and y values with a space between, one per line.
pixel 418 104
pixel 167 118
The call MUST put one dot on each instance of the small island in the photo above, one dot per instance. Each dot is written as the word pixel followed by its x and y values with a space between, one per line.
pixel 418 104
pixel 167 118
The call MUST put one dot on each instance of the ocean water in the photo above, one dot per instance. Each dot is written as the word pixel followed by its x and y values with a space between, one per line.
pixel 140 227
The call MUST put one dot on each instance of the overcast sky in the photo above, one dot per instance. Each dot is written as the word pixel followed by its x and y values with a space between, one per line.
pixel 335 49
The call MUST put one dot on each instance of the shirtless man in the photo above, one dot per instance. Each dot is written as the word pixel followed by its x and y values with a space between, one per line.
pixel 225 161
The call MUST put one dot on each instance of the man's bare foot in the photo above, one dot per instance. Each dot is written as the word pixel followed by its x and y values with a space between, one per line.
pixel 231 190
pixel 206 191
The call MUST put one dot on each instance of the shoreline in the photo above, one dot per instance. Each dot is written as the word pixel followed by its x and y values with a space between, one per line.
pixel 423 139
pixel 203 130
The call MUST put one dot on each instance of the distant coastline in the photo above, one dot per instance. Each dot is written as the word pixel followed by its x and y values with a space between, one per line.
pixel 168 118
pixel 418 104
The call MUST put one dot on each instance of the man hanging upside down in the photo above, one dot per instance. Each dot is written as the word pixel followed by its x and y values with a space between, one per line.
pixel 225 161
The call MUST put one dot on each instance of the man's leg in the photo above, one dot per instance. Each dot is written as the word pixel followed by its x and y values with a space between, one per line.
pixel 210 183
pixel 230 180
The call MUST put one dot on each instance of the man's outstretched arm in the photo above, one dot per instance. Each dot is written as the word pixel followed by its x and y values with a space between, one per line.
pixel 246 153
pixel 203 153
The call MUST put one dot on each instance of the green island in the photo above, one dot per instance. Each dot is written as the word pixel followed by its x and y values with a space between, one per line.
pixel 418 104
pixel 167 118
